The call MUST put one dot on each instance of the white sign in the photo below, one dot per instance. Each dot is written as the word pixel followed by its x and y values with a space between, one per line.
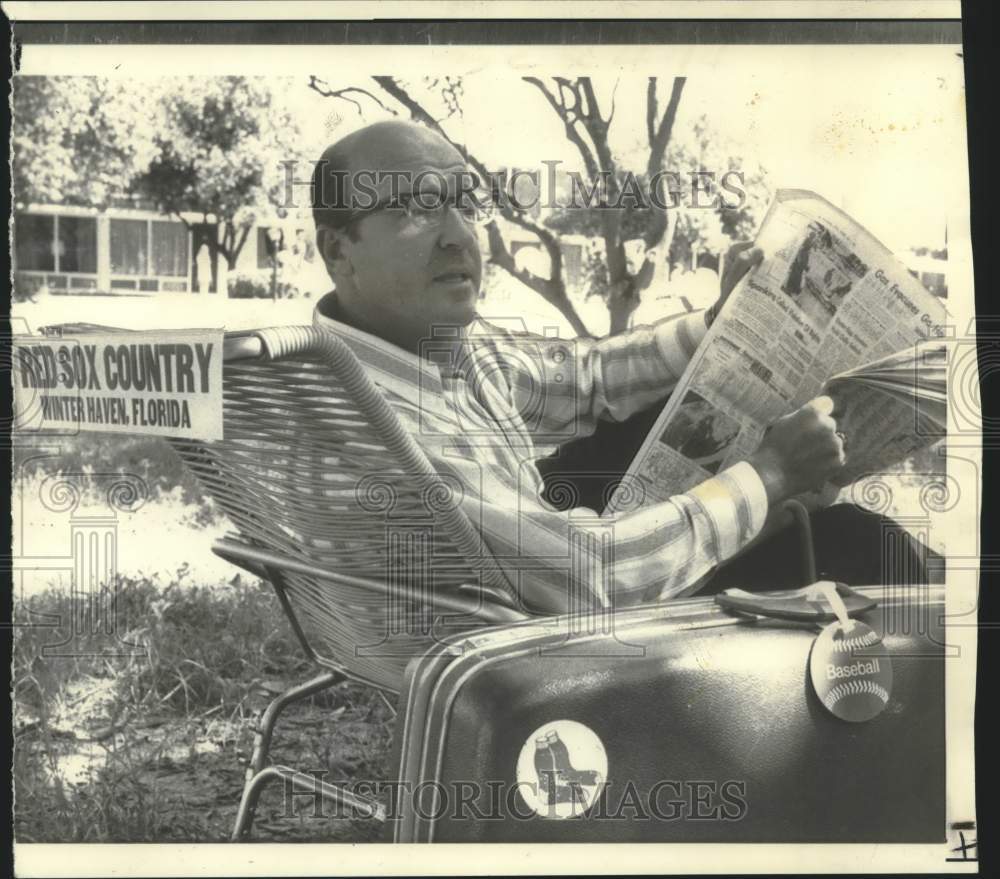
pixel 162 383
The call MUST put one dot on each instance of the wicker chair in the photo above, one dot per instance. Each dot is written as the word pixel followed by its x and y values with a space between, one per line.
pixel 341 511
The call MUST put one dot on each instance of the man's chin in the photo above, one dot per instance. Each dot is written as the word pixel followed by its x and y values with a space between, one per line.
pixel 461 309
pixel 455 318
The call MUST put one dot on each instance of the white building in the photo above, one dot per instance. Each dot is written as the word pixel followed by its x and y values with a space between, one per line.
pixel 131 251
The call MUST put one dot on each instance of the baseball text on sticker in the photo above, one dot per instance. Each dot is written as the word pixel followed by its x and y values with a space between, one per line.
pixel 851 671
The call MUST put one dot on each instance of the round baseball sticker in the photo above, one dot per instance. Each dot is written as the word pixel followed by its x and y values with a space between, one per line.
pixel 561 769
pixel 851 671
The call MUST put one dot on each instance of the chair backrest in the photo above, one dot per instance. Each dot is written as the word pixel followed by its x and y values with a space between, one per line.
pixel 315 466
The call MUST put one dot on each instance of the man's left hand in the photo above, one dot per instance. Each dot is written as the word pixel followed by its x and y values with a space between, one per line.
pixel 740 258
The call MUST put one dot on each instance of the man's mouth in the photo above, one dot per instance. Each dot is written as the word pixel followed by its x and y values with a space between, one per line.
pixel 453 277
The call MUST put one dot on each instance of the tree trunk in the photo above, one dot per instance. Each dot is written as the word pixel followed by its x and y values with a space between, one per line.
pixel 566 309
pixel 232 243
pixel 621 303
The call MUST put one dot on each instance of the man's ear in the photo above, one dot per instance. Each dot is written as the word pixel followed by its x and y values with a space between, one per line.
pixel 330 243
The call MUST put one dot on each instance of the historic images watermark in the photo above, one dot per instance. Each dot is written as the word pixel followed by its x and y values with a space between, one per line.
pixel 664 800
pixel 90 620
pixel 517 189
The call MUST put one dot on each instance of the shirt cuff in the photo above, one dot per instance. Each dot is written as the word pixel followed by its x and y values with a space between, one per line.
pixel 679 337
pixel 735 502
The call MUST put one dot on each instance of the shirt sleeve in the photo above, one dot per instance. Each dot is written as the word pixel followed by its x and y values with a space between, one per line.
pixel 562 387
pixel 560 561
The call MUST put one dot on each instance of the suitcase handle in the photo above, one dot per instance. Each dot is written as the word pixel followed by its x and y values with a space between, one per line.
pixel 808 604
pixel 802 605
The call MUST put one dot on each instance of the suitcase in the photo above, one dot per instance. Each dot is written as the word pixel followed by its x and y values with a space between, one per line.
pixel 688 723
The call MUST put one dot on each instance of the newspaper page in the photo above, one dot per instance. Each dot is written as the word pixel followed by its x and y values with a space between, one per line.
pixel 828 297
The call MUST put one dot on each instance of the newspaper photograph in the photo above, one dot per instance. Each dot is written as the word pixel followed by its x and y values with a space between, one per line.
pixel 470 440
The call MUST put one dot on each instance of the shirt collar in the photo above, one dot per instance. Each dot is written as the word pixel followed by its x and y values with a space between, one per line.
pixel 389 366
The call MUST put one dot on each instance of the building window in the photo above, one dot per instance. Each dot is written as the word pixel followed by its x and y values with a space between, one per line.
pixel 34 235
pixel 170 249
pixel 129 247
pixel 77 249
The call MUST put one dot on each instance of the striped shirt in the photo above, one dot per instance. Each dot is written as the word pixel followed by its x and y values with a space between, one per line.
pixel 481 402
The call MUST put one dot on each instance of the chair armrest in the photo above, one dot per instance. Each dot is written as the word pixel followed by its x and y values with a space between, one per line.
pixel 258 560
pixel 230 552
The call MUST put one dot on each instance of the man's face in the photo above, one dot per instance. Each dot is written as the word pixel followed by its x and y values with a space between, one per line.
pixel 409 276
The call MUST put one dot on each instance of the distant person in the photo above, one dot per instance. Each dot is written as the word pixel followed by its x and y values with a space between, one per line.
pixel 203 268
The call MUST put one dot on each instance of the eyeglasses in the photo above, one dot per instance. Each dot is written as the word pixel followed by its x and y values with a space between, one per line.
pixel 426 210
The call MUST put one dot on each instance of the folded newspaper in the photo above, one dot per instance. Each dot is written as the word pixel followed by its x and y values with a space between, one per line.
pixel 828 310
pixel 912 382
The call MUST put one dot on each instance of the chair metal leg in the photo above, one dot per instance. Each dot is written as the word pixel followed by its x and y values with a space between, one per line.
pixel 257 776
pixel 300 781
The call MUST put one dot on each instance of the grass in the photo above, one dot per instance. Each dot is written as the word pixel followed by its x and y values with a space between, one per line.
pixel 146 745
pixel 140 735
pixel 180 645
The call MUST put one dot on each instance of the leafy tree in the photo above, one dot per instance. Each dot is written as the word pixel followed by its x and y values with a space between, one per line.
pixel 703 147
pixel 203 145
pixel 219 150
pixel 78 139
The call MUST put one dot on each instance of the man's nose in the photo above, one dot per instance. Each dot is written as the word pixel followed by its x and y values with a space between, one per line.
pixel 455 231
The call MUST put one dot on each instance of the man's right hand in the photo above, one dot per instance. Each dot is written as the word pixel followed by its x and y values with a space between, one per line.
pixel 799 452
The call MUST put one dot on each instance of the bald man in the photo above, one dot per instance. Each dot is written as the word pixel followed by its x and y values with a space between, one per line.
pixel 398 232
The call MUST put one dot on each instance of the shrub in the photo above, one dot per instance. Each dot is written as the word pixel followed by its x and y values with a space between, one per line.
pixel 89 456
pixel 258 286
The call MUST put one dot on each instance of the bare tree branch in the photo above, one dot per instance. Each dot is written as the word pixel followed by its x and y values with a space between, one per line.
pixel 320 87
pixel 550 241
pixel 569 116
pixel 451 91
pixel 417 113
pixel 501 256
pixel 659 143
pixel 596 126
pixel 651 110
pixel 552 290
pixel 614 92
pixel 569 98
